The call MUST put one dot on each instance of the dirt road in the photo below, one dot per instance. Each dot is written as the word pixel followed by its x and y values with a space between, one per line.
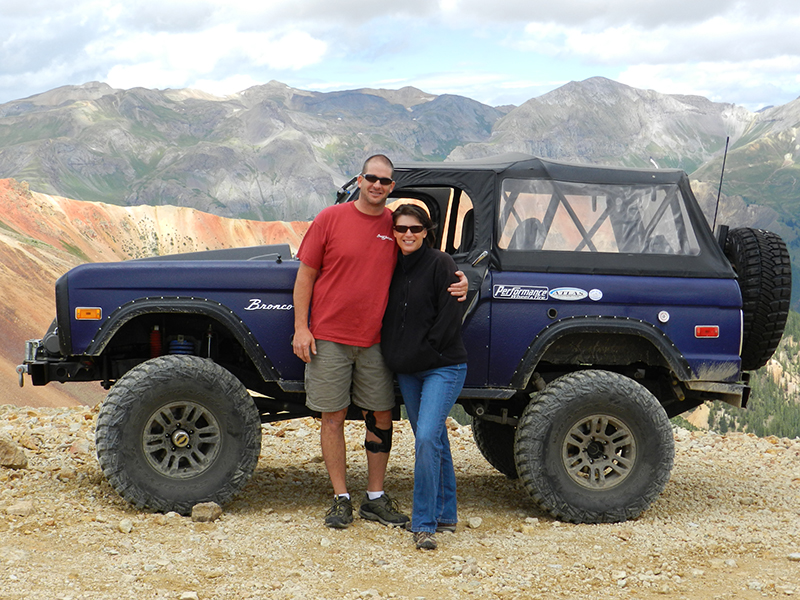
pixel 727 526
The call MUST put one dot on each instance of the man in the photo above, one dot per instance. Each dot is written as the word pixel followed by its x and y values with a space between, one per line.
pixel 347 259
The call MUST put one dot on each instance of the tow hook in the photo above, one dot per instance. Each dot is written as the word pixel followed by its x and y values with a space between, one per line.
pixel 21 370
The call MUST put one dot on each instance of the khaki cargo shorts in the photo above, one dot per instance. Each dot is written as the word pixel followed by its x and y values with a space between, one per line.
pixel 338 369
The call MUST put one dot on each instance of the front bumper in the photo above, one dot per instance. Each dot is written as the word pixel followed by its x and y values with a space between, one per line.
pixel 42 367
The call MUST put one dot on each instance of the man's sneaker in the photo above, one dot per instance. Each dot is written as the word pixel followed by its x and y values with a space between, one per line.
pixel 340 515
pixel 424 540
pixel 383 510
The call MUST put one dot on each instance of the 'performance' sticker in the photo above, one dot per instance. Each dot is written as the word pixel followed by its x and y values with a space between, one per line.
pixel 519 292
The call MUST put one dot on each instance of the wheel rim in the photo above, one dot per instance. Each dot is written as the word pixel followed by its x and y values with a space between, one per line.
pixel 599 452
pixel 181 440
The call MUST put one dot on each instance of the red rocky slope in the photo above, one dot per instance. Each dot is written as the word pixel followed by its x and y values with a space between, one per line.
pixel 42 237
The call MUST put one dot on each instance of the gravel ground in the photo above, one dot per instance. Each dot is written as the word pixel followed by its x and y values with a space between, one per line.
pixel 727 525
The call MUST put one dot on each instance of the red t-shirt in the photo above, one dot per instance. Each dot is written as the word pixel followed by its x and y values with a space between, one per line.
pixel 354 255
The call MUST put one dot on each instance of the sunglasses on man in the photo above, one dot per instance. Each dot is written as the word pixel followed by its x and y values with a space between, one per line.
pixel 373 178
pixel 411 228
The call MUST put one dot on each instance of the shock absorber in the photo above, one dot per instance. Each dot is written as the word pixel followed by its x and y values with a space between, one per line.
pixel 155 342
pixel 209 339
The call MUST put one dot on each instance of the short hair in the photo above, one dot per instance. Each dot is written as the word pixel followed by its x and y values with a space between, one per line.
pixel 382 158
pixel 420 214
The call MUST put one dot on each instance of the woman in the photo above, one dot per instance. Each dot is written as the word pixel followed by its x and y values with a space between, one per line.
pixel 421 342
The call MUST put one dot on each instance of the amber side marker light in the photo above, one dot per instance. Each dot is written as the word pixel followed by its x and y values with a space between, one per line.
pixel 706 331
pixel 88 314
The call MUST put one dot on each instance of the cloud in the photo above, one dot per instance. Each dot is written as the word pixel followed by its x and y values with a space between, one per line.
pixel 597 14
pixel 166 16
pixel 462 83
pixel 715 39
pixel 189 53
pixel 149 44
pixel 746 53
pixel 751 81
pixel 741 51
pixel 225 87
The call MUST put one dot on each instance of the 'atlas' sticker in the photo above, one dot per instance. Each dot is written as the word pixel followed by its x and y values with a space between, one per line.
pixel 569 294
pixel 519 292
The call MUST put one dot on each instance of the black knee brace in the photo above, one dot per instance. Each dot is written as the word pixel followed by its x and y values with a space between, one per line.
pixel 384 435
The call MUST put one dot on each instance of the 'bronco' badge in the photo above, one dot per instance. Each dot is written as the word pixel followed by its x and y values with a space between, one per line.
pixel 257 304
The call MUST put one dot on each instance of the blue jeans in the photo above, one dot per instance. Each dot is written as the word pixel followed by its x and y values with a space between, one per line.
pixel 429 396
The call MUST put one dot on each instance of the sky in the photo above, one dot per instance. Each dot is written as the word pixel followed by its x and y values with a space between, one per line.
pixel 498 52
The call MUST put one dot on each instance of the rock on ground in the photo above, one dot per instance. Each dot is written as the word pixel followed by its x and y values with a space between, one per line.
pixel 11 454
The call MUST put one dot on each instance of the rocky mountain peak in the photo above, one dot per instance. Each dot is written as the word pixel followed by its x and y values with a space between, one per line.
pixel 406 96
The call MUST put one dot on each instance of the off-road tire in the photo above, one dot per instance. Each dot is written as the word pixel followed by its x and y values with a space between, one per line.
pixel 495 442
pixel 175 431
pixel 594 447
pixel 761 262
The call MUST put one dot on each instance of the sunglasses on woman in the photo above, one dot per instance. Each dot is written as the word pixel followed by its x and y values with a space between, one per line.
pixel 373 178
pixel 411 228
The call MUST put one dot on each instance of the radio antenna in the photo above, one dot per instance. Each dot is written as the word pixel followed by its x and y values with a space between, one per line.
pixel 721 175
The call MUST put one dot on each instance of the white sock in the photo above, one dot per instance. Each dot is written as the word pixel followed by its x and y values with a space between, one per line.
pixel 374 495
pixel 345 495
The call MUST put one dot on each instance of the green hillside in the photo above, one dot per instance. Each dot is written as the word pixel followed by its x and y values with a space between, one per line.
pixel 774 406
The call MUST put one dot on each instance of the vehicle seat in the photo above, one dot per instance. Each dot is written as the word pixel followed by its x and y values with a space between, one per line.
pixel 528 236
pixel 658 244
pixel 467 231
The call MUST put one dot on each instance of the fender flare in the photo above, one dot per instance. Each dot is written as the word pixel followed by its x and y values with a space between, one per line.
pixel 598 324
pixel 184 305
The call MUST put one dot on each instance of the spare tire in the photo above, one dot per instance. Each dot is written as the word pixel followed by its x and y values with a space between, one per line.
pixel 762 264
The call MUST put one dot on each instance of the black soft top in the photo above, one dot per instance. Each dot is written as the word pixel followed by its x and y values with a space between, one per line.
pixel 482 180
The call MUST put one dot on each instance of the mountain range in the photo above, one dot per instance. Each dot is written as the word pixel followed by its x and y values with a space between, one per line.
pixel 272 152
pixel 268 153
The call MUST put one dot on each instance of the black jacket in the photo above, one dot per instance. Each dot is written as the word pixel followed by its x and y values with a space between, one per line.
pixel 422 323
